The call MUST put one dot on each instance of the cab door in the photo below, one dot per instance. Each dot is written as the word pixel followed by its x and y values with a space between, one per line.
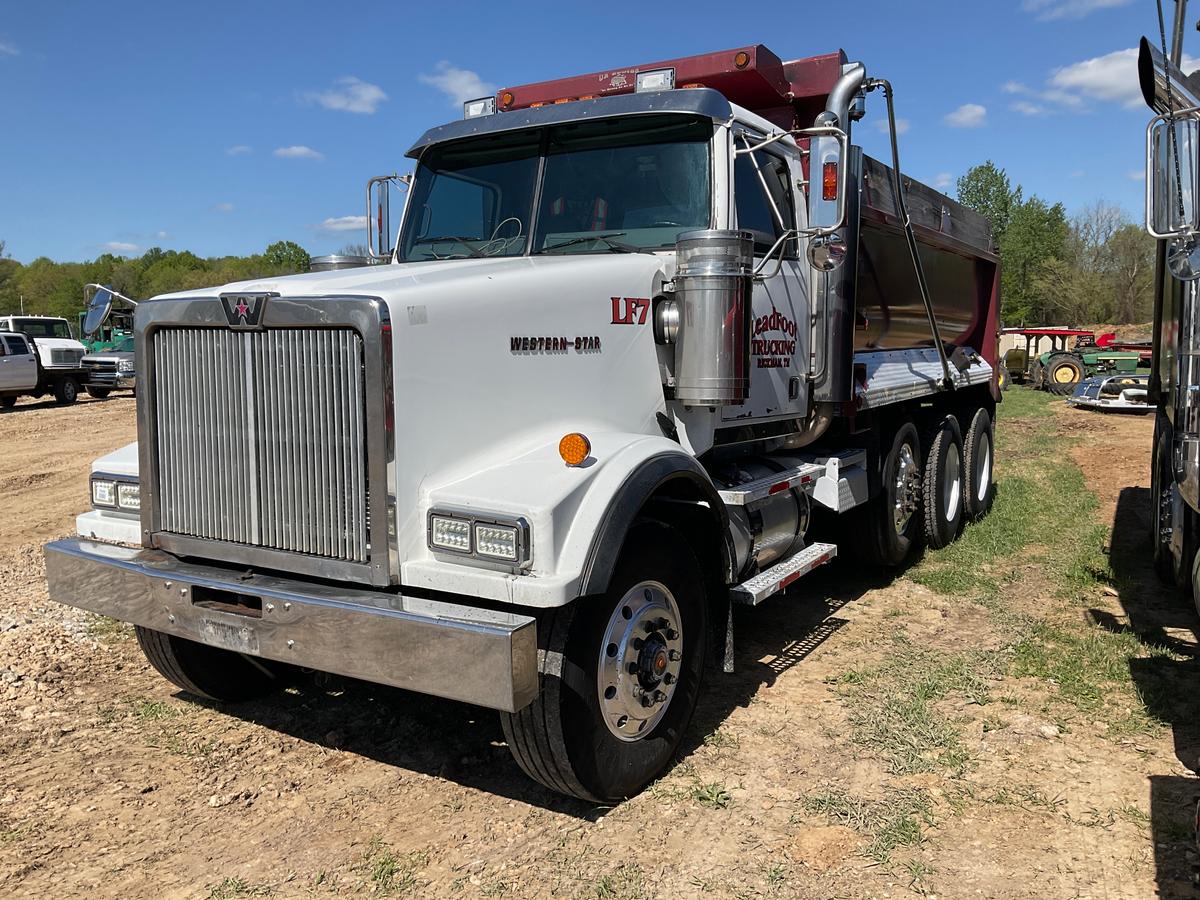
pixel 765 199
pixel 18 367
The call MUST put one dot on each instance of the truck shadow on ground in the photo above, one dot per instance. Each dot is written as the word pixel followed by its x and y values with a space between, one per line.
pixel 1169 682
pixel 465 744
pixel 32 406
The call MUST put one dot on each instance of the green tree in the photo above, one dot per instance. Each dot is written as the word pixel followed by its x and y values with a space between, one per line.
pixel 1037 232
pixel 287 257
pixel 987 190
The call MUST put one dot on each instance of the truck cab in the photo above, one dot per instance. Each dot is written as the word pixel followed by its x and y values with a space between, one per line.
pixel 633 328
pixel 57 358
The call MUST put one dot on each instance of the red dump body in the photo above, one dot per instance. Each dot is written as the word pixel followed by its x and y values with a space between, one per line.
pixel 956 245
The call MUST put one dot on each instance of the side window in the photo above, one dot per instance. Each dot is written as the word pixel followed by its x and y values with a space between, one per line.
pixel 765 213
pixel 16 345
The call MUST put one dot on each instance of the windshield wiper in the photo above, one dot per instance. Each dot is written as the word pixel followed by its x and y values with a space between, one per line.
pixel 613 246
pixel 454 237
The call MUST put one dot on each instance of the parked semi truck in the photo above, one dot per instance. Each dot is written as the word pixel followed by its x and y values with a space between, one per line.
pixel 647 339
pixel 1173 218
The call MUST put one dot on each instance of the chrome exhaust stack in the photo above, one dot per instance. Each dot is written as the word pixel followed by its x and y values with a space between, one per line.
pixel 1155 73
pixel 713 283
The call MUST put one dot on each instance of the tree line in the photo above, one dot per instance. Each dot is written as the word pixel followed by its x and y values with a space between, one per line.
pixel 1094 267
pixel 48 288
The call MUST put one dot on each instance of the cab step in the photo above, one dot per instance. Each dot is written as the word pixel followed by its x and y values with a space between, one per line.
pixel 778 577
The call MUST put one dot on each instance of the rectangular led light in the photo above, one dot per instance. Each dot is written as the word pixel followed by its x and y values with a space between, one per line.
pixel 655 80
pixel 446 533
pixel 497 542
pixel 129 496
pixel 484 106
pixel 104 493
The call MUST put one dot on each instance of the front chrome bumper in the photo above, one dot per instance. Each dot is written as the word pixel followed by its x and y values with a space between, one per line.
pixel 430 646
pixel 119 381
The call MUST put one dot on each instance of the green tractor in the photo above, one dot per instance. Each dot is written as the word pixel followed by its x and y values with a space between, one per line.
pixel 1071 357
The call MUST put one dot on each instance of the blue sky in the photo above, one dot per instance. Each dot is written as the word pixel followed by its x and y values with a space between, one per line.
pixel 221 127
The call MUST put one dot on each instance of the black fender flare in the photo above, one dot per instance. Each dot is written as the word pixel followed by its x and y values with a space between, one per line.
pixel 643 483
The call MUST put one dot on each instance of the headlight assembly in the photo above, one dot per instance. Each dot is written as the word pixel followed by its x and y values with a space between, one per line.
pixel 109 492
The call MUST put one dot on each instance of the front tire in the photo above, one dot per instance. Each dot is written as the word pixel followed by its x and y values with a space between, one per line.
pixel 1063 372
pixel 66 391
pixel 8 402
pixel 621 675
pixel 943 485
pixel 100 393
pixel 208 672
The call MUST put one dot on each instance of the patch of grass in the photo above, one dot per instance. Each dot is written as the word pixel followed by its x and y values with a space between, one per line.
pixel 107 630
pixel 893 711
pixel 775 875
pixel 151 710
pixel 714 795
pixel 895 821
pixel 625 882
pixel 389 873
pixel 16 834
pixel 722 740
pixel 1089 668
pixel 1025 796
pixel 229 888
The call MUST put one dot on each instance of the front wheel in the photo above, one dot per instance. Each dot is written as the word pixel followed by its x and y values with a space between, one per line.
pixel 620 675
pixel 1063 372
pixel 8 402
pixel 208 672
pixel 100 393
pixel 66 391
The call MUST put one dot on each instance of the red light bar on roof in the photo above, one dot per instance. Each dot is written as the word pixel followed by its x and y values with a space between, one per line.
pixel 790 94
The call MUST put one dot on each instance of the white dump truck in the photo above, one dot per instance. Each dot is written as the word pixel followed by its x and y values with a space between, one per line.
pixel 47 360
pixel 645 337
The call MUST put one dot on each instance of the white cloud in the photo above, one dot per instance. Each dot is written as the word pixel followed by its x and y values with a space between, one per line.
pixel 1014 87
pixel 349 94
pixel 459 85
pixel 1048 10
pixel 902 125
pixel 224 207
pixel 1109 77
pixel 161 235
pixel 120 247
pixel 8 48
pixel 969 115
pixel 1136 174
pixel 1025 108
pixel 299 151
pixel 238 150
pixel 942 180
pixel 343 223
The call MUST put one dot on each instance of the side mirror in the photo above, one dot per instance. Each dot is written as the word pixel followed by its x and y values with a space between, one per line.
pixel 828 154
pixel 1172 145
pixel 379 225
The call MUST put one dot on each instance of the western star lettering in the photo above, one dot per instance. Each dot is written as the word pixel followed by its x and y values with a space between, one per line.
pixel 580 344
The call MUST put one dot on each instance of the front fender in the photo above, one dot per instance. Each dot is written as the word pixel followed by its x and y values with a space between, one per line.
pixel 578 516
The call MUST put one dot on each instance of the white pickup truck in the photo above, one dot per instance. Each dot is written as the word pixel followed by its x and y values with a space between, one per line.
pixel 38 355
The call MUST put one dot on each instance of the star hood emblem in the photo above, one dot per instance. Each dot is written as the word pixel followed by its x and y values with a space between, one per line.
pixel 245 310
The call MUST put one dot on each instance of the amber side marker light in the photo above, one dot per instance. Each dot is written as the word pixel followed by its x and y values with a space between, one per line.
pixel 506 99
pixel 574 448
pixel 741 59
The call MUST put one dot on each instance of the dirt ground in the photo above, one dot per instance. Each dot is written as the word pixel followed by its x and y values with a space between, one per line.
pixel 113 784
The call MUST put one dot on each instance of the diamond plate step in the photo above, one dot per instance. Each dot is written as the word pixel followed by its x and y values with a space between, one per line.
pixel 778 577
pixel 803 476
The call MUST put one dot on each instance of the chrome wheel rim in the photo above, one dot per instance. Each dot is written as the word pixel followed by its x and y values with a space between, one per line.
pixel 908 488
pixel 641 657
pixel 953 484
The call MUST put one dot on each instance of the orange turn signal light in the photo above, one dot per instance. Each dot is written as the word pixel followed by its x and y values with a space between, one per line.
pixel 574 448
pixel 506 99
pixel 741 59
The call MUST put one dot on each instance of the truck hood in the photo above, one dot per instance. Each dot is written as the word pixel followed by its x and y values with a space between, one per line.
pixel 109 356
pixel 59 344
pixel 391 279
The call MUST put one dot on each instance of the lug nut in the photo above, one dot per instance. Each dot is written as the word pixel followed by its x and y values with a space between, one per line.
pixel 659 697
pixel 674 655
pixel 632 668
pixel 637 643
pixel 672 634
pixel 668 678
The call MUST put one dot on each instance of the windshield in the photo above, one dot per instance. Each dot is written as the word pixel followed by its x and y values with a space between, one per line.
pixel 42 328
pixel 125 345
pixel 637 182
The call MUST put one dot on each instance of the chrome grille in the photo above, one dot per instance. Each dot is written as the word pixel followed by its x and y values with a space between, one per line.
pixel 61 357
pixel 261 438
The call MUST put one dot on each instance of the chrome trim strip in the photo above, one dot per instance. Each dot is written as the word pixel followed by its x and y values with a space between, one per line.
pixel 368 316
pixel 446 649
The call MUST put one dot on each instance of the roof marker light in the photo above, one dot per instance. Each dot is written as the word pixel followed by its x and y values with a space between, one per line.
pixel 655 80
pixel 484 106
pixel 741 59
pixel 506 99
